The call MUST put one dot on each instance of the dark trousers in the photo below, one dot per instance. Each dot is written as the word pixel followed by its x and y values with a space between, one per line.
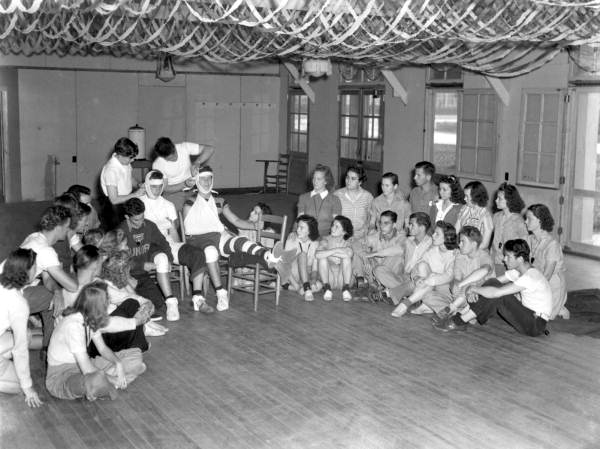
pixel 148 288
pixel 39 299
pixel 193 258
pixel 118 341
pixel 511 310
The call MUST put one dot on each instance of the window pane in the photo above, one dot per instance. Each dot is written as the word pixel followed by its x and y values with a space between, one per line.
pixel 534 108
pixel 530 139
pixel 349 148
pixel 469 134
pixel 529 171
pixel 487 107
pixel 469 107
pixel 551 107
pixel 371 128
pixel 485 136
pixel 467 160
pixel 303 123
pixel 349 127
pixel 547 165
pixel 303 103
pixel 350 104
pixel 549 131
pixel 372 150
pixel 484 161
pixel 445 127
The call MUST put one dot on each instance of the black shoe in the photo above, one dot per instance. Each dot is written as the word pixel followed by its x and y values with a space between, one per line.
pixel 361 282
pixel 452 324
pixel 441 315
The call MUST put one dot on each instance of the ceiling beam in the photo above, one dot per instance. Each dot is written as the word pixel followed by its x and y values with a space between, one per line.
pixel 302 82
pixel 399 90
pixel 499 88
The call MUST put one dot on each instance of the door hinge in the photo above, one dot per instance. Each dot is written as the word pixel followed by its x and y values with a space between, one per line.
pixel 561 200
pixel 567 98
pixel 561 180
pixel 559 231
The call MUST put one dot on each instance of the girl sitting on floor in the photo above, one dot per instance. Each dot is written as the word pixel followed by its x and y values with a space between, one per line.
pixel 334 258
pixel 435 273
pixel 71 372
pixel 15 376
pixel 305 240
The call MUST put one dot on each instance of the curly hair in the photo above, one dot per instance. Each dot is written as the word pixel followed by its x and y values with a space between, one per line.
pixel 472 233
pixel 164 147
pixel 450 237
pixel 514 202
pixel 53 217
pixel 134 206
pixel 518 247
pixel 457 195
pixel 85 256
pixel 116 268
pixel 313 226
pixel 16 268
pixel 329 181
pixel 479 194
pixel 359 170
pixel 346 225
pixel 78 190
pixel 542 213
pixel 125 147
pixel 92 303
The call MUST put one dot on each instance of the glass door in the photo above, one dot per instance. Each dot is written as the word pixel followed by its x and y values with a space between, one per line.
pixel 583 211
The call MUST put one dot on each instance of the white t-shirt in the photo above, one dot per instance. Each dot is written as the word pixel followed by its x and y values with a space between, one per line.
pixel 537 294
pixel 14 311
pixel 68 339
pixel 181 169
pixel 46 255
pixel 161 212
pixel 203 217
pixel 118 175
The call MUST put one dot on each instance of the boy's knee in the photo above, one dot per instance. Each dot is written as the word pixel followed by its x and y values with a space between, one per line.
pixel 161 260
pixel 211 253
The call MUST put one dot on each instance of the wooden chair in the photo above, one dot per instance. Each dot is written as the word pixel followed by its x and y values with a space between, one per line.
pixel 260 281
pixel 279 179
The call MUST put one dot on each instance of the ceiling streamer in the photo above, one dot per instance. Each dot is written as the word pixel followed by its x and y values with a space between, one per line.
pixel 499 38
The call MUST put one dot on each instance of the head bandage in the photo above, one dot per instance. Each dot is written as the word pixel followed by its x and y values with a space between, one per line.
pixel 205 174
pixel 153 182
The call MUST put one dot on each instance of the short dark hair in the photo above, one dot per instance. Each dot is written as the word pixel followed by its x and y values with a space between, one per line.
pixel 543 214
pixel 472 233
pixel 78 190
pixel 156 174
pixel 54 216
pixel 514 202
pixel 346 225
pixel 264 208
pixel 392 176
pixel 421 218
pixel 359 170
pixel 518 247
pixel 134 206
pixel 456 192
pixel 16 268
pixel 427 167
pixel 92 303
pixel 125 147
pixel 390 213
pixel 329 181
pixel 479 194
pixel 164 147
pixel 450 239
pixel 85 256
pixel 313 226
pixel 71 202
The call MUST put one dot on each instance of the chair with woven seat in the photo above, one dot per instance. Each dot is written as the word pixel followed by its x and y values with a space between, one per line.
pixel 256 280
pixel 278 179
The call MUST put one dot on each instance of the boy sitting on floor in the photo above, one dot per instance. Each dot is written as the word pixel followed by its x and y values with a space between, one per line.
pixel 522 296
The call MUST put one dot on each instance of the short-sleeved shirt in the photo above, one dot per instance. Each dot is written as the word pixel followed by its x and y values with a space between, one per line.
pixel 398 204
pixel 47 256
pixel 161 212
pixel 117 175
pixel 536 294
pixel 440 262
pixel 464 265
pixel 474 216
pixel 377 242
pixel 421 200
pixel 178 171
pixel 506 227
pixel 414 252
pixel 70 337
pixel 357 209
pixel 309 247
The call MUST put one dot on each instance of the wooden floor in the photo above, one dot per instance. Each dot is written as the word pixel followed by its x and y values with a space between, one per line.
pixel 332 375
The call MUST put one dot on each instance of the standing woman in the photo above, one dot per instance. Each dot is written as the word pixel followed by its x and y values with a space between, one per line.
pixel 320 202
pixel 508 222
pixel 475 212
pixel 71 372
pixel 452 199
pixel 15 376
pixel 547 256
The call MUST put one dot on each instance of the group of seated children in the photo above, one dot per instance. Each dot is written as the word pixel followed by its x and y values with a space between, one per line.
pixel 100 287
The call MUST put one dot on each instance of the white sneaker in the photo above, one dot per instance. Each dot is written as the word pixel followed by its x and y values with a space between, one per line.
pixel 563 313
pixel 422 309
pixel 328 295
pixel 152 331
pixel 222 300
pixel 346 295
pixel 172 309
pixel 308 295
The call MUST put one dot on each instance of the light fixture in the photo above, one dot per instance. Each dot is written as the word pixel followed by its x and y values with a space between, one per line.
pixel 316 68
pixel 164 67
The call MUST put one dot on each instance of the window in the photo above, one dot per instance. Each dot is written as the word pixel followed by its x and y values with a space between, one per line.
pixel 361 124
pixel 540 138
pixel 477 134
pixel 444 105
pixel 297 121
pixel 445 75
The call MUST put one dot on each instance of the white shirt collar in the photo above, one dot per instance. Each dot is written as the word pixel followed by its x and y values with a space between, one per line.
pixel 322 194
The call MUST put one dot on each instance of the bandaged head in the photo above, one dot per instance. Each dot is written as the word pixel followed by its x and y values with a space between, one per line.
pixel 205 179
pixel 154 183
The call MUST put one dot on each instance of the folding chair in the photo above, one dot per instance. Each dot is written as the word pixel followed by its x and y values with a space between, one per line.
pixel 259 281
